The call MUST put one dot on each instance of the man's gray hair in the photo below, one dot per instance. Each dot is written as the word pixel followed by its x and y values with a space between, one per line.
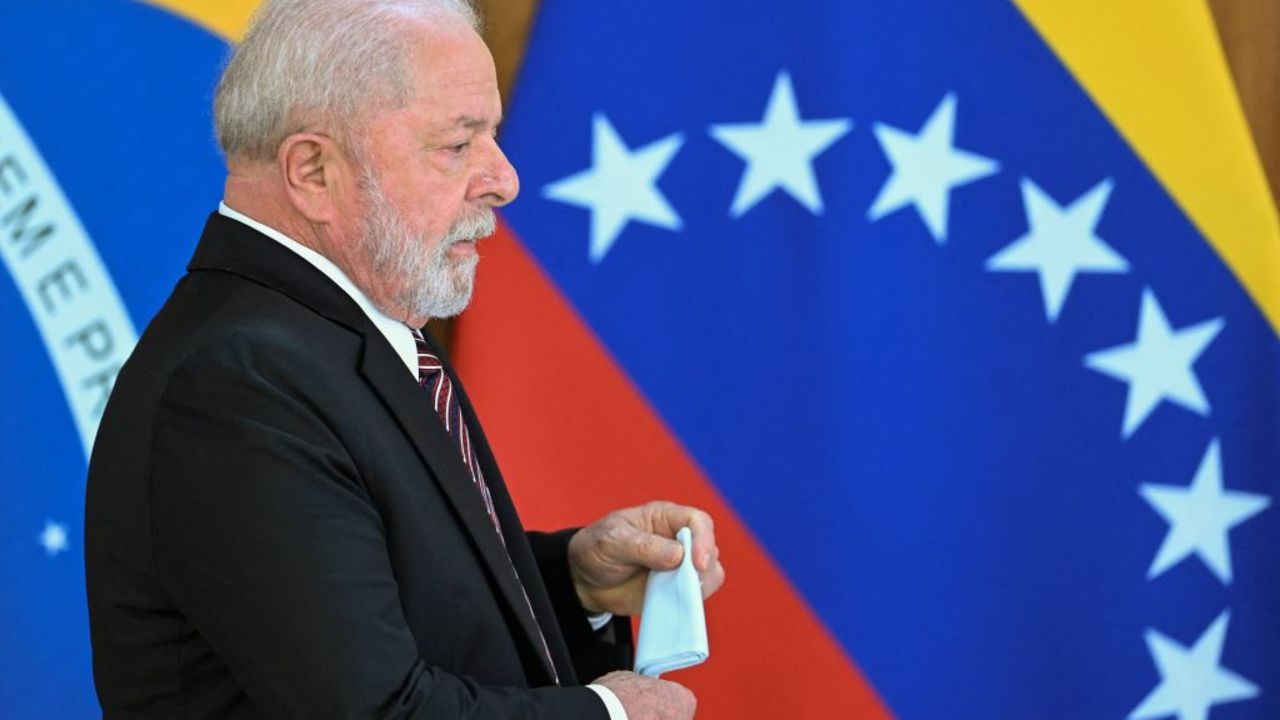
pixel 320 65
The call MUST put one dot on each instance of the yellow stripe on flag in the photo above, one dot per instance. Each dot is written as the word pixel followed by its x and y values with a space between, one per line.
pixel 1157 70
pixel 226 18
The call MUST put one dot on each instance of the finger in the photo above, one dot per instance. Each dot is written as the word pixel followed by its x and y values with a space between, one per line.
pixel 702 527
pixel 712 580
pixel 633 546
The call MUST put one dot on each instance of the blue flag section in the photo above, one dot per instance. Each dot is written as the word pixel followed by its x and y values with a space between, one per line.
pixel 107 171
pixel 990 400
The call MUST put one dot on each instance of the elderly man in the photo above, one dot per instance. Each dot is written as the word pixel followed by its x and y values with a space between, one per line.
pixel 292 510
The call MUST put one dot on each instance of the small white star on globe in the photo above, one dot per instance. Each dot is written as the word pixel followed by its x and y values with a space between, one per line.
pixel 53 538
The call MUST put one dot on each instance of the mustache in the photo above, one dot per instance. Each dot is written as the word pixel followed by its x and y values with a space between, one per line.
pixel 473 227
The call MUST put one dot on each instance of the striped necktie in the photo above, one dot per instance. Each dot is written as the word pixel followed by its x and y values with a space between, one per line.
pixel 440 393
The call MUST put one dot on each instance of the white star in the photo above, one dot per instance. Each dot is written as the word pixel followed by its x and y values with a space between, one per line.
pixel 53 538
pixel 779 150
pixel 1191 680
pixel 926 168
pixel 1157 365
pixel 1060 243
pixel 1200 516
pixel 620 186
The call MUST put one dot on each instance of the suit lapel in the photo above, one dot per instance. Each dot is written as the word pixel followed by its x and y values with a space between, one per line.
pixel 517 544
pixel 385 372
pixel 522 555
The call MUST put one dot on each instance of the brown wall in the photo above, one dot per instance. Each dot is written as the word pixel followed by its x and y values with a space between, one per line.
pixel 506 30
pixel 1250 32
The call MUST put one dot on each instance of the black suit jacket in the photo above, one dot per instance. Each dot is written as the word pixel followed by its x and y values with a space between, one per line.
pixel 278 526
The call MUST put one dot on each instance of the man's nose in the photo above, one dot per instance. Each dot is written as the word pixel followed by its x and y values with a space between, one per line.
pixel 498 182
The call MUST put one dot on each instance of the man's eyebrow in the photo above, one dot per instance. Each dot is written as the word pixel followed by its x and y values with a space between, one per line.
pixel 471 123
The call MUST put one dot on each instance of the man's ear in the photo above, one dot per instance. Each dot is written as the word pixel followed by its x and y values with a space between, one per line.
pixel 315 175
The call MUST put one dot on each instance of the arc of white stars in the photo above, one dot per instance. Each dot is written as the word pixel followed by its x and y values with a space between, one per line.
pixel 1061 242
pixel 927 167
pixel 1157 365
pixel 620 186
pixel 780 150
pixel 1200 517
pixel 1192 680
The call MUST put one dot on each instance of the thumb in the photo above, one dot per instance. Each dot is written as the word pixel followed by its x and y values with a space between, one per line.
pixel 652 551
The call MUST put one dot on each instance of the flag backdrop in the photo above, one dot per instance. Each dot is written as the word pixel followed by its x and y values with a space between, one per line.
pixel 956 315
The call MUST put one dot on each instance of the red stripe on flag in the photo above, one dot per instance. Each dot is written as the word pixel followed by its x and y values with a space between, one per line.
pixel 576 439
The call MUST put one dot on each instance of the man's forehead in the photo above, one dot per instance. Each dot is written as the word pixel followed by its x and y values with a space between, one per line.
pixel 448 108
pixel 454 80
pixel 452 58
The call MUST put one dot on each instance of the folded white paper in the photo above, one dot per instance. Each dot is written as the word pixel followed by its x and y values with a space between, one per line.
pixel 673 628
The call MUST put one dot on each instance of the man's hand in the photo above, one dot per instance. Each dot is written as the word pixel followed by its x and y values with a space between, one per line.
pixel 610 559
pixel 647 698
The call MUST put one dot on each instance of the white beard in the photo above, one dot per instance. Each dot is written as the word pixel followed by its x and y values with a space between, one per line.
pixel 431 284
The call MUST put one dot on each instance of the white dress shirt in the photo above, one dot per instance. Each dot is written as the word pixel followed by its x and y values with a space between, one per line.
pixel 401 339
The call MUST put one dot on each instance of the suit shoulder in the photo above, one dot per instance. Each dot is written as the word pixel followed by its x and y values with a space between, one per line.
pixel 219 327
pixel 214 316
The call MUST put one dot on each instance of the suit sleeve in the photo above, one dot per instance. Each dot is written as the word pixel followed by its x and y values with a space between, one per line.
pixel 595 652
pixel 269 543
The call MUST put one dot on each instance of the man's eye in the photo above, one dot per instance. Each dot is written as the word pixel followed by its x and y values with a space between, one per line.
pixel 460 147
